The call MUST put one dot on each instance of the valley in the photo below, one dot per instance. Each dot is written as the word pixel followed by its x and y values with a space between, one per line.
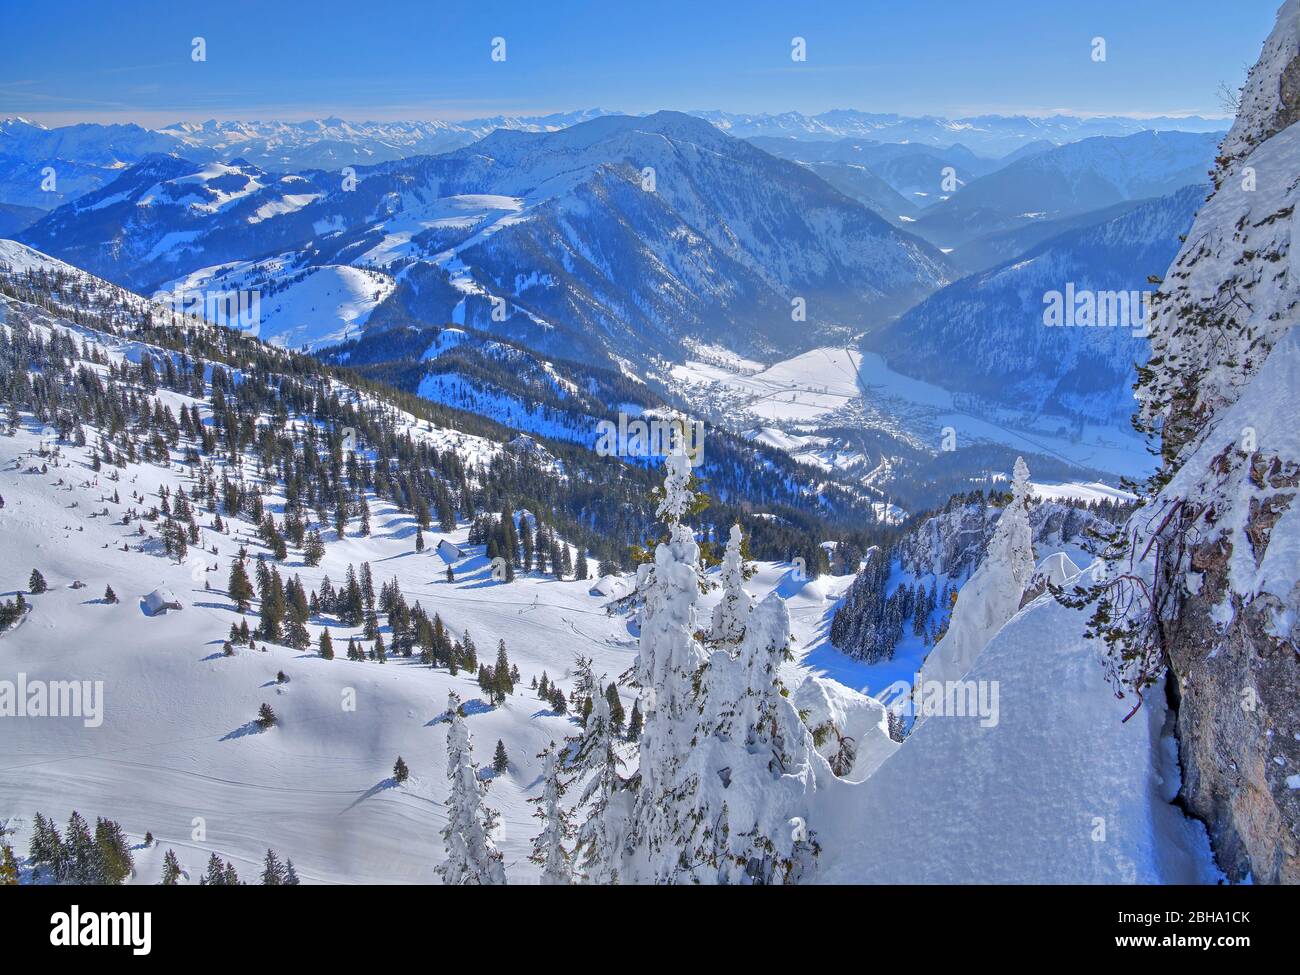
pixel 411 474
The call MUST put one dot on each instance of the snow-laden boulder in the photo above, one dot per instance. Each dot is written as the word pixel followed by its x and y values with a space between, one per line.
pixel 854 715
pixel 1057 789
pixel 160 600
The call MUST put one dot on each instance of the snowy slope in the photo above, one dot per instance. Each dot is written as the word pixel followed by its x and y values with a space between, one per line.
pixel 298 307
pixel 177 739
pixel 1059 790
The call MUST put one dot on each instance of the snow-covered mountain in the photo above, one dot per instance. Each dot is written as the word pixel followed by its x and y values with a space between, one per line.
pixel 45 168
pixel 922 174
pixel 1071 179
pixel 167 215
pixel 618 238
pixel 332 143
pixel 991 135
pixel 86 155
pixel 861 184
pixel 987 334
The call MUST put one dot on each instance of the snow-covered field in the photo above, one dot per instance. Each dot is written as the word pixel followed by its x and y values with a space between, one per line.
pixel 791 399
pixel 177 750
pixel 311 307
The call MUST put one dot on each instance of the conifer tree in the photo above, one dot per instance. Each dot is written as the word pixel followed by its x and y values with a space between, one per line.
pixel 471 856
pixel 326 644
pixel 500 760
pixel 239 587
pixel 214 876
pixel 549 851
pixel 596 762
pixel 733 608
pixel 616 713
pixel 502 683
pixel 80 847
pixel 313 549
pixel 400 772
pixel 36 583
pixel 112 860
pixel 8 866
pixel 634 722
pixel 171 871
pixel 666 664
pixel 272 870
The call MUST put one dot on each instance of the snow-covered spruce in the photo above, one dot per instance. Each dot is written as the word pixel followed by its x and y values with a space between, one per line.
pixel 596 765
pixel 726 766
pixel 666 663
pixel 992 595
pixel 549 850
pixel 467 837
pixel 730 613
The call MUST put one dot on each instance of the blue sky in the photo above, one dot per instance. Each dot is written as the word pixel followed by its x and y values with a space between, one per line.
pixel 100 61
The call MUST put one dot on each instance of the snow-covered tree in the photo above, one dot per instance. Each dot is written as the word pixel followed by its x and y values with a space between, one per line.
pixel 666 664
pixel 549 851
pixel 732 610
pixel 751 766
pixel 992 595
pixel 171 871
pixel 467 837
pixel 596 762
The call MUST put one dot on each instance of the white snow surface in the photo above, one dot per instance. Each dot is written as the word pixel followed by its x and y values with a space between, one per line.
pixel 178 748
pixel 1025 800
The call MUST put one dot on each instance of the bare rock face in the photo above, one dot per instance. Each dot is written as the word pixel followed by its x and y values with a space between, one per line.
pixel 1225 373
pixel 1237 689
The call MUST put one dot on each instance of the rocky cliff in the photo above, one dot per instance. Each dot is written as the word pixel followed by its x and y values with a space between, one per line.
pixel 1219 531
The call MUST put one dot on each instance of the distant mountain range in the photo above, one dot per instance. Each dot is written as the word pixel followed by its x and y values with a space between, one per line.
pixel 1069 180
pixel 618 238
pixel 988 135
pixel 986 336
pixel 86 156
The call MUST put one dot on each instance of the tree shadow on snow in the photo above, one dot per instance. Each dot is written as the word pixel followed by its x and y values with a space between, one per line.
pixel 249 728
pixel 374 790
